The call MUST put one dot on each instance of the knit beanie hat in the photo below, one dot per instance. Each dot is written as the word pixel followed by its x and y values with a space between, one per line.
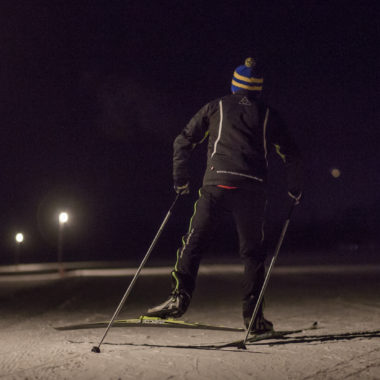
pixel 247 77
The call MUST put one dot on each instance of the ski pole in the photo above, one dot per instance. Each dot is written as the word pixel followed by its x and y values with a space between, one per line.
pixel 241 344
pixel 128 291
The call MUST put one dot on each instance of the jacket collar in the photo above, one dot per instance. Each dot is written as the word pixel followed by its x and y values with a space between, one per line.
pixel 247 93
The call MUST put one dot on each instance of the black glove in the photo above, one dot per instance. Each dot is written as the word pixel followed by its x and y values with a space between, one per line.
pixel 182 187
pixel 296 195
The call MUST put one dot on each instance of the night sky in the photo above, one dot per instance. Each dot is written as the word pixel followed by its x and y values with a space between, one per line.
pixel 94 92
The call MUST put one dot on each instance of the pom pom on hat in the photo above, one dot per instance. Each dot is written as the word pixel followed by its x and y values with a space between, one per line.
pixel 246 77
pixel 250 62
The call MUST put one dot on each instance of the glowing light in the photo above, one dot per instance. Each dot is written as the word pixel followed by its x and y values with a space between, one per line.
pixel 19 237
pixel 63 217
pixel 335 172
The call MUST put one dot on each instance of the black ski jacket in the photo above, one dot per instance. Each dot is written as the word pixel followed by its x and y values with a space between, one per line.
pixel 241 132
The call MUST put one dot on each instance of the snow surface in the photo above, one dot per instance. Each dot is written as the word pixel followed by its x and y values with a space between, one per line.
pixel 342 299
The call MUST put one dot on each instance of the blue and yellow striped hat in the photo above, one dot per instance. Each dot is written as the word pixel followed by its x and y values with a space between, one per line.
pixel 247 78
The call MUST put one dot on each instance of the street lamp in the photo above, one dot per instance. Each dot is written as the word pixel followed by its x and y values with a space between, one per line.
pixel 63 218
pixel 19 237
pixel 335 172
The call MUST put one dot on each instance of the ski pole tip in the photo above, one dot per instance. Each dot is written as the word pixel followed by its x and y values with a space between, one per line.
pixel 95 349
pixel 241 345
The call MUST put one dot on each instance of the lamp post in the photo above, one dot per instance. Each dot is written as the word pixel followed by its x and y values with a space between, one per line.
pixel 63 219
pixel 19 237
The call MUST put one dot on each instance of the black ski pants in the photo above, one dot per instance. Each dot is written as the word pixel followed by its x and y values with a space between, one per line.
pixel 247 207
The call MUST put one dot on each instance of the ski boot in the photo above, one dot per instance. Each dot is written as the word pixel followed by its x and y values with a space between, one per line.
pixel 174 307
pixel 260 325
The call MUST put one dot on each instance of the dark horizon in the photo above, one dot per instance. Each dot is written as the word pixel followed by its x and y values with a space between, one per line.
pixel 93 94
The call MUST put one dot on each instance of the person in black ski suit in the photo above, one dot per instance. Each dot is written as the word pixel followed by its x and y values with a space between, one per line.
pixel 241 132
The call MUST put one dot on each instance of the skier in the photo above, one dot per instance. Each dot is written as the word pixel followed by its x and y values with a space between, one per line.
pixel 241 131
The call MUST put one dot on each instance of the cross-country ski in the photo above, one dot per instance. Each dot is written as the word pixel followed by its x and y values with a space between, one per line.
pixel 144 321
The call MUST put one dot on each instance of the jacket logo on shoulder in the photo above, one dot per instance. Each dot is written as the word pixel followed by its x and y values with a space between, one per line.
pixel 245 102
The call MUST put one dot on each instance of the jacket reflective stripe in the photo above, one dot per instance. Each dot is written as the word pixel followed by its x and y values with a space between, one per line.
pixel 240 174
pixel 220 127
